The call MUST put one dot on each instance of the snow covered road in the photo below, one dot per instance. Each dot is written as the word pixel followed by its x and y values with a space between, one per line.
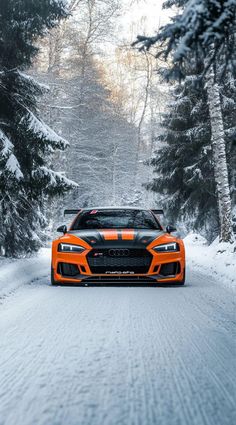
pixel 118 355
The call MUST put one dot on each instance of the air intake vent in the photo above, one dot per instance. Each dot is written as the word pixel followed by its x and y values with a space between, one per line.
pixel 68 270
pixel 170 269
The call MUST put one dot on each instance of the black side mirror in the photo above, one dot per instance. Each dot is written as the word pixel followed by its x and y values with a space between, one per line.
pixel 62 229
pixel 170 228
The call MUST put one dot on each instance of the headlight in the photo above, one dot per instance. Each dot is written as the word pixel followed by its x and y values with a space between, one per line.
pixel 65 247
pixel 168 247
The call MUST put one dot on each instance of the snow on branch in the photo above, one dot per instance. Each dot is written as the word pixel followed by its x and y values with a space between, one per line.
pixel 32 81
pixel 7 145
pixel 13 166
pixel 203 25
pixel 54 178
pixel 43 131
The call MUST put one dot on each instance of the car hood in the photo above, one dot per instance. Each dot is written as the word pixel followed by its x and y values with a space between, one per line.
pixel 119 238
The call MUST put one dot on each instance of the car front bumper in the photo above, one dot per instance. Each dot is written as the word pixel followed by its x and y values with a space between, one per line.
pixel 164 268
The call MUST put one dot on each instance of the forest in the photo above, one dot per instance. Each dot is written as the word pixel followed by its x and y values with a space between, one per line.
pixel 117 212
pixel 99 108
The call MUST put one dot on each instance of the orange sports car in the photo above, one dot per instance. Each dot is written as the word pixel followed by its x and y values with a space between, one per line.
pixel 117 245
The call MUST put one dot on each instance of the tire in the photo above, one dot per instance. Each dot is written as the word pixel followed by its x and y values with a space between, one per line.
pixel 53 281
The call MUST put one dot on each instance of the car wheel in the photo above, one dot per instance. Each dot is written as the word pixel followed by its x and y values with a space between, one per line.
pixel 53 281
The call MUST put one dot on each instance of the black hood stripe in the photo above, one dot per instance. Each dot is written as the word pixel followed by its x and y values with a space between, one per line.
pixel 141 239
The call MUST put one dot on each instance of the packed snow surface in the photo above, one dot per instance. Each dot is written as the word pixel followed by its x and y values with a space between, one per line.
pixel 15 273
pixel 115 355
pixel 218 259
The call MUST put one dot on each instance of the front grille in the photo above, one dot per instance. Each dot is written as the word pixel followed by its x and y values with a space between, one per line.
pixel 102 261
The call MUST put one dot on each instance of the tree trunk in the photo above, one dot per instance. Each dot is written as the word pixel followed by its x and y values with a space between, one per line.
pixel 219 158
pixel 141 121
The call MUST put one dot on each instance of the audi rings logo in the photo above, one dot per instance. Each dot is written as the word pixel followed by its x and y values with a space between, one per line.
pixel 119 252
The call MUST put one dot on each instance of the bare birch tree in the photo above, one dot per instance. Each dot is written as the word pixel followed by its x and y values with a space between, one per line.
pixel 219 157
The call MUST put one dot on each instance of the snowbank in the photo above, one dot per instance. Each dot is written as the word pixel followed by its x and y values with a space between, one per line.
pixel 15 273
pixel 217 260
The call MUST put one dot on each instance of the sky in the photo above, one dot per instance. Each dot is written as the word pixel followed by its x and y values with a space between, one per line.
pixel 137 17
pixel 146 13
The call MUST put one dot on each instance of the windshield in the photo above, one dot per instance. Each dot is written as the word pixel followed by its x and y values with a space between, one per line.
pixel 116 219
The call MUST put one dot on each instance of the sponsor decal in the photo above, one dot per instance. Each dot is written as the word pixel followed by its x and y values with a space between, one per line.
pixel 119 272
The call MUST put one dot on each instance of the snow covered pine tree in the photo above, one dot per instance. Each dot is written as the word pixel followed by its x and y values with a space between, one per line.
pixel 26 142
pixel 204 27
pixel 185 148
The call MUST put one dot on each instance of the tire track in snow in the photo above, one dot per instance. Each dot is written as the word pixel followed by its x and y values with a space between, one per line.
pixel 117 356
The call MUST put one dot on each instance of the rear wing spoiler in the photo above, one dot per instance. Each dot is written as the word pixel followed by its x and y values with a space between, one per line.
pixel 158 212
pixel 72 212
pixel 76 211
